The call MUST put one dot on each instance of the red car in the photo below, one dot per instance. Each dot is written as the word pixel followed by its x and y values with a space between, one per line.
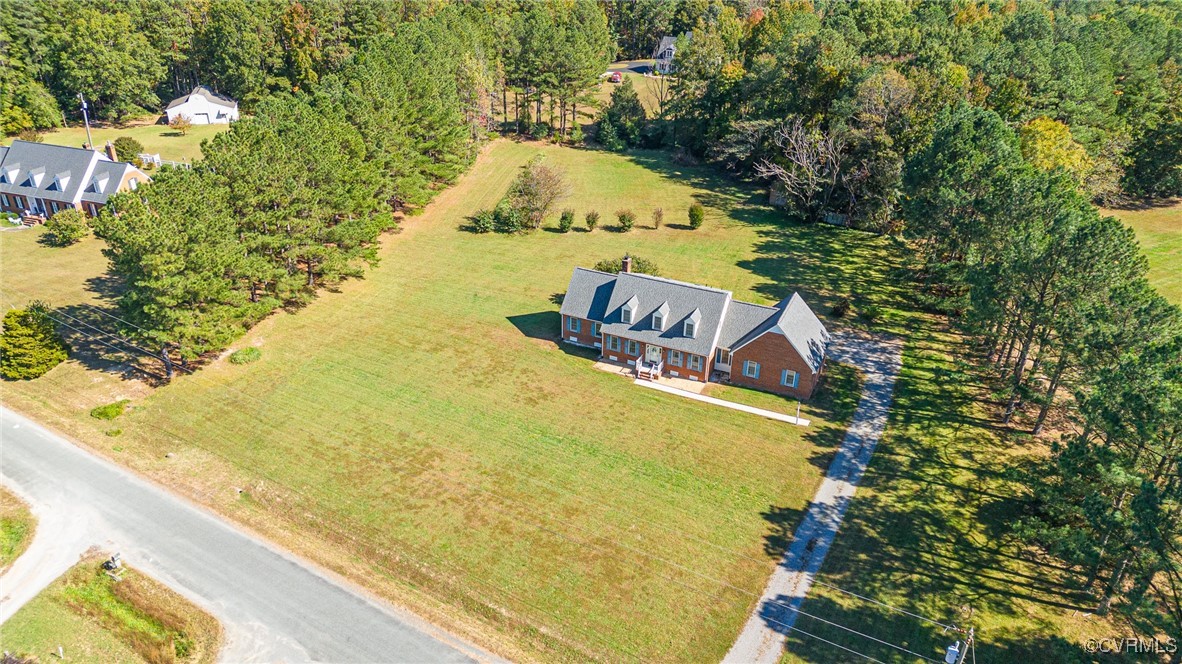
pixel 616 77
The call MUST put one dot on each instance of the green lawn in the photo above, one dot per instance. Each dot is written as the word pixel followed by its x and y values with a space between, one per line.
pixel 156 138
pixel 1159 230
pixel 94 619
pixel 426 417
pixel 16 528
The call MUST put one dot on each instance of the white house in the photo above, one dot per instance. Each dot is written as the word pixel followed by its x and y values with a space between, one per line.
pixel 203 106
pixel 665 52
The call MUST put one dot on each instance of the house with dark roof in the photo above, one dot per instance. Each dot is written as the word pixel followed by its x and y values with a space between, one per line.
pixel 663 327
pixel 39 180
pixel 203 106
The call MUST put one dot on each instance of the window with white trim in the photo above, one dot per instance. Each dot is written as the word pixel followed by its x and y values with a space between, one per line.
pixel 675 358
pixel 658 321
pixel 789 378
pixel 632 347
pixel 694 362
pixel 750 369
pixel 723 356
pixel 574 324
pixel 594 329
pixel 4 197
pixel 691 329
pixel 613 343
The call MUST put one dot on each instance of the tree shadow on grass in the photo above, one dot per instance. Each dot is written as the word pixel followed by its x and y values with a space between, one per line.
pixel 97 343
pixel 546 326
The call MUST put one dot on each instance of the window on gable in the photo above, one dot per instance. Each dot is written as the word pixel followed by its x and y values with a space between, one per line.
pixel 750 369
pixel 789 378
pixel 658 321
pixel 574 324
pixel 691 329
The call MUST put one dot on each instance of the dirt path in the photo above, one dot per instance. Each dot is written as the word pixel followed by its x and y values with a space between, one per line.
pixel 763 636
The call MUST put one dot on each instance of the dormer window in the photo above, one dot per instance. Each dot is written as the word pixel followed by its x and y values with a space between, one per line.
pixel 659 317
pixel 691 324
pixel 628 311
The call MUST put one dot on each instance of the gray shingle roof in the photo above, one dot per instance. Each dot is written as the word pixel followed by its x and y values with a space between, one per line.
pixel 69 167
pixel 797 323
pixel 723 322
pixel 588 294
pixel 682 298
pixel 202 91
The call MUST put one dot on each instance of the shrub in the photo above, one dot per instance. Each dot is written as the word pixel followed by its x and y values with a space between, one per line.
pixel 127 148
pixel 508 218
pixel 66 227
pixel 627 219
pixel 841 308
pixel 181 123
pixel 30 135
pixel 697 214
pixel 245 355
pixel 608 138
pixel 110 411
pixel 576 134
pixel 641 265
pixel 30 345
pixel 591 219
pixel 658 217
pixel 484 221
pixel 566 221
pixel 539 130
pixel 871 312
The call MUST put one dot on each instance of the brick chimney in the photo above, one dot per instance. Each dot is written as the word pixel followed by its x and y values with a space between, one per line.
pixel 111 152
pixel 626 264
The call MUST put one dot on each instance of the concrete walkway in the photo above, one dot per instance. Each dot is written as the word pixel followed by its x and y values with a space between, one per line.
pixel 771 415
pixel 763 637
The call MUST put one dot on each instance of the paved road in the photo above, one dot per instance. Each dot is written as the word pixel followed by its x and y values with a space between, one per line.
pixel 274 607
pixel 763 636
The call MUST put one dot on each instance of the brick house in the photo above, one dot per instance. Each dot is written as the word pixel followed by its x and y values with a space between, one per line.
pixel 672 328
pixel 40 180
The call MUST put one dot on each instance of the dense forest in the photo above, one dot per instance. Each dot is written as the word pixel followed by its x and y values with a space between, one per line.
pixel 983 133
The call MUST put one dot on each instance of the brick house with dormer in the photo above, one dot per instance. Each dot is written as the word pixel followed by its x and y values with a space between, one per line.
pixel 39 180
pixel 663 327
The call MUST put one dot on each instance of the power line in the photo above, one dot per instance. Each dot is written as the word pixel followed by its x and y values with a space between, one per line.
pixel 850 650
pixel 545 528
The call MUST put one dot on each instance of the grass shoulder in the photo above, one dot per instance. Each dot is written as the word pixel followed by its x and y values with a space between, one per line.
pixel 17 525
pixel 93 617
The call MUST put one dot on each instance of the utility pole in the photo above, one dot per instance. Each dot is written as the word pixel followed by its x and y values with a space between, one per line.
pixel 86 119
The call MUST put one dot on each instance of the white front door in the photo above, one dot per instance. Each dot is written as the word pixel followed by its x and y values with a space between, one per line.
pixel 652 354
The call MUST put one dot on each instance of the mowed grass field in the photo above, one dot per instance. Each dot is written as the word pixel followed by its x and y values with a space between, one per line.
pixel 1159 229
pixel 156 138
pixel 422 432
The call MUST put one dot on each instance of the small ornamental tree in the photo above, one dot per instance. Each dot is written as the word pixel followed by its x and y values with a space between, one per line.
pixel 127 148
pixel 627 219
pixel 697 214
pixel 658 217
pixel 66 227
pixel 30 345
pixel 535 191
pixel 181 123
pixel 641 265
pixel 592 220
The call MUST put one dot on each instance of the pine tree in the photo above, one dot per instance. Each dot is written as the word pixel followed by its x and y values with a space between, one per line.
pixel 30 345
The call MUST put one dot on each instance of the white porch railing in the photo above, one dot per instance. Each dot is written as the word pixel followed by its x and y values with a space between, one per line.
pixel 649 370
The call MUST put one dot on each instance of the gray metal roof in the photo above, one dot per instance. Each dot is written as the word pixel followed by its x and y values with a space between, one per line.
pixel 797 323
pixel 210 95
pixel 63 171
pixel 682 298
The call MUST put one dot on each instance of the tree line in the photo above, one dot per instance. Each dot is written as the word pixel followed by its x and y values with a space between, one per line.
pixel 294 197
pixel 829 100
pixel 1055 297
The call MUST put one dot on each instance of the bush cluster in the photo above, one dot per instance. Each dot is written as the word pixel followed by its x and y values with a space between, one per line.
pixel 245 355
pixel 627 219
pixel 110 411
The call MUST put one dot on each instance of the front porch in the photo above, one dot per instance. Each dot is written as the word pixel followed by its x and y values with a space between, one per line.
pixel 631 372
